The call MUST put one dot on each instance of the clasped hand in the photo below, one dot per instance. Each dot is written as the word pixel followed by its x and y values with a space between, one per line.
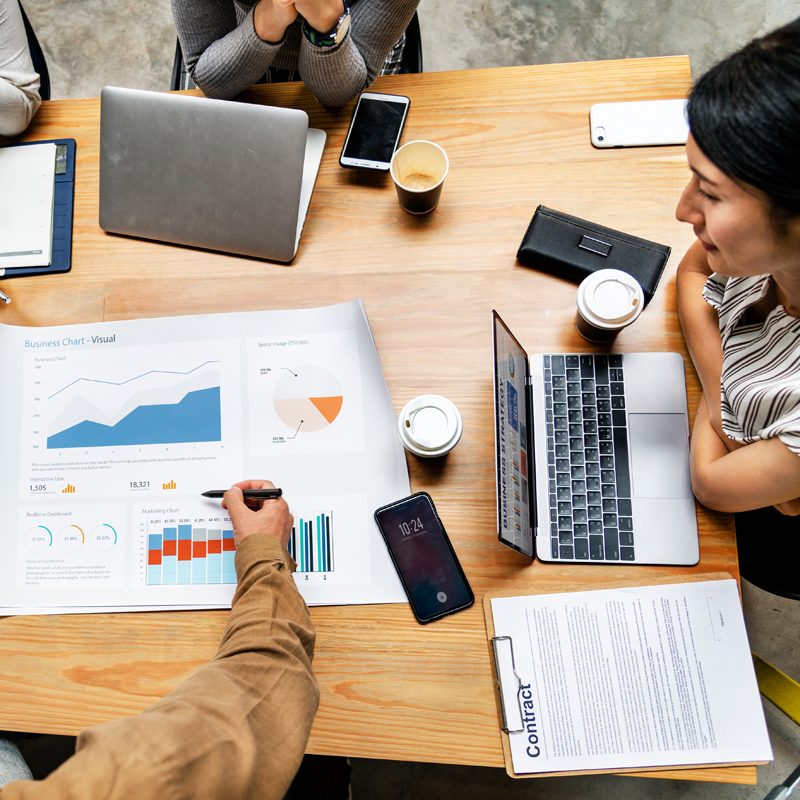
pixel 272 17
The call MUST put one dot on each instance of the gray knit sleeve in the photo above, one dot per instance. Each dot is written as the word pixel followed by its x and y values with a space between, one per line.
pixel 223 55
pixel 336 76
pixel 19 83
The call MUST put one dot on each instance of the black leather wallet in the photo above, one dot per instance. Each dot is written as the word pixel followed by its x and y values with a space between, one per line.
pixel 573 248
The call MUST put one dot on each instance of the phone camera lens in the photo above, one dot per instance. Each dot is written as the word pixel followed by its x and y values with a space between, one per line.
pixel 600 134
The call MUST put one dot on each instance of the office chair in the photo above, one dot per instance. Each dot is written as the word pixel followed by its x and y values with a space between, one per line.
pixel 37 56
pixel 769 554
pixel 769 551
pixel 411 61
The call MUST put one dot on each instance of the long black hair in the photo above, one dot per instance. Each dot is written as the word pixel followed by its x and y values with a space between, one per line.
pixel 744 114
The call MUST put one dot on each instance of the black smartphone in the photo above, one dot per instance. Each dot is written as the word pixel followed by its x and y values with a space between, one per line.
pixel 424 557
pixel 375 130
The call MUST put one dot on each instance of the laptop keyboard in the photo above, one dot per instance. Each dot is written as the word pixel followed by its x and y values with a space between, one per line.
pixel 587 458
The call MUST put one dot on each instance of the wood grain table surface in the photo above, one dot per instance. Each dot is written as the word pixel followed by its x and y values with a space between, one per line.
pixel 516 137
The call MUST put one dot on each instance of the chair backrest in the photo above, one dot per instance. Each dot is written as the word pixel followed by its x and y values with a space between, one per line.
pixel 411 61
pixel 37 56
pixel 181 79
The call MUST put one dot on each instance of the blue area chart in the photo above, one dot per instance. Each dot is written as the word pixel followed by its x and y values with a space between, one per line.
pixel 196 418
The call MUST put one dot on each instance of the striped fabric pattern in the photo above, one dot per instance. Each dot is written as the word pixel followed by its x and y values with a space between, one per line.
pixel 760 388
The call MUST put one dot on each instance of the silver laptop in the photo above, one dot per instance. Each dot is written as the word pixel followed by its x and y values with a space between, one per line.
pixel 216 174
pixel 592 455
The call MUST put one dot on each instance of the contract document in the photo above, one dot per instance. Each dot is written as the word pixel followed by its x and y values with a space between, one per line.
pixel 649 676
pixel 113 430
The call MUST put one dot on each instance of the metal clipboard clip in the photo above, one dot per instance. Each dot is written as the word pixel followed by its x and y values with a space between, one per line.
pixel 509 684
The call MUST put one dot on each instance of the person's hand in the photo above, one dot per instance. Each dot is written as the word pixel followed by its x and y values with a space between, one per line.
pixel 791 508
pixel 321 15
pixel 271 18
pixel 257 516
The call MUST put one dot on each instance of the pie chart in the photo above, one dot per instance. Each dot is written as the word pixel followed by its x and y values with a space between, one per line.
pixel 308 398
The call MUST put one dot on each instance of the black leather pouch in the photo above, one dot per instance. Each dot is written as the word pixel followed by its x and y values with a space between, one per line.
pixel 573 248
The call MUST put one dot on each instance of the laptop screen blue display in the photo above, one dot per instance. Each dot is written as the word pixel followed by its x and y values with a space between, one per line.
pixel 512 442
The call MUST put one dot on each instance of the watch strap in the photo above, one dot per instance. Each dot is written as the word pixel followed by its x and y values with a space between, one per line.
pixel 334 37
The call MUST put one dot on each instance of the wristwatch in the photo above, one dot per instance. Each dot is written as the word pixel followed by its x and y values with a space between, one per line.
pixel 335 37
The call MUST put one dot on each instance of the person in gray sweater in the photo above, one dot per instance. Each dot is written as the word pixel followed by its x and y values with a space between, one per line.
pixel 336 49
pixel 19 83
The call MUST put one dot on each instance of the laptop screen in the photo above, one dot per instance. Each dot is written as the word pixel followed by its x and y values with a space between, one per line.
pixel 512 418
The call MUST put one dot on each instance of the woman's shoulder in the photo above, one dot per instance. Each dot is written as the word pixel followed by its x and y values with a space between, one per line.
pixel 734 291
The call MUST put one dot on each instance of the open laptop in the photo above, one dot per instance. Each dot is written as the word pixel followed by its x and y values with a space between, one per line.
pixel 216 174
pixel 592 455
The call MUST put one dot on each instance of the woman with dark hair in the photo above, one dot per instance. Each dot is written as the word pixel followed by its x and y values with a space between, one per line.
pixel 739 283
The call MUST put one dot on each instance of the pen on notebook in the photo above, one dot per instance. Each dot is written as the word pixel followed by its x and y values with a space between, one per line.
pixel 255 494
pixel 4 298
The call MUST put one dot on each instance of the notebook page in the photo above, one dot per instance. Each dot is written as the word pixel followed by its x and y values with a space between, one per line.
pixel 26 205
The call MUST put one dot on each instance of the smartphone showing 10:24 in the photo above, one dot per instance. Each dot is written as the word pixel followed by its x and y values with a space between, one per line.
pixel 428 567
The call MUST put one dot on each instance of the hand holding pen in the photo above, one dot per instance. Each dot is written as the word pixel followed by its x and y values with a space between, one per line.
pixel 256 507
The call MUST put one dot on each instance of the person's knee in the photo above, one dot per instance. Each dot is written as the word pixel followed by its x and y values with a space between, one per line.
pixel 12 764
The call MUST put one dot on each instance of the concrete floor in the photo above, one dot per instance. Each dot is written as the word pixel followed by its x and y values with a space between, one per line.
pixel 90 43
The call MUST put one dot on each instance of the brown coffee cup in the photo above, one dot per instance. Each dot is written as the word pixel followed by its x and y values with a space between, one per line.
pixel 418 170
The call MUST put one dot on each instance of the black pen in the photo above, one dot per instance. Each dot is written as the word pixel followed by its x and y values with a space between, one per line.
pixel 255 494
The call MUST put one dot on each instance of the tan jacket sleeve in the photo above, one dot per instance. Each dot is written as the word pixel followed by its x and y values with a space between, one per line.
pixel 236 728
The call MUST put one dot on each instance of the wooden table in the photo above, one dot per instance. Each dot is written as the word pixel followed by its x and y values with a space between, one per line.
pixel 516 137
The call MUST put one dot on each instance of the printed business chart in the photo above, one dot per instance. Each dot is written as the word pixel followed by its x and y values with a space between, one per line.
pixel 305 394
pixel 64 546
pixel 193 544
pixel 122 426
pixel 131 423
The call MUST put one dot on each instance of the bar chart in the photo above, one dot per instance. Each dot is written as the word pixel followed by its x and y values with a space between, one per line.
pixel 190 554
pixel 311 543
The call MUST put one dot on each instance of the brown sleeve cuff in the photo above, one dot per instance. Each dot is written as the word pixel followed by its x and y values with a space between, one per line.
pixel 262 547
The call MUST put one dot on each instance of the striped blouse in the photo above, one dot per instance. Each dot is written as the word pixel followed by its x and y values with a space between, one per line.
pixel 760 388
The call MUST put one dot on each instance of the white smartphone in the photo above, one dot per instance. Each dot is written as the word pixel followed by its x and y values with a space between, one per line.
pixel 375 130
pixel 638 124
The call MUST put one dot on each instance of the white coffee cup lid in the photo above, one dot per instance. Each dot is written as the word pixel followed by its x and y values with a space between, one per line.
pixel 610 298
pixel 429 425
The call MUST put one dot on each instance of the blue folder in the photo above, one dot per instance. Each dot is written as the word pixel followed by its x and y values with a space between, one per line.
pixel 63 197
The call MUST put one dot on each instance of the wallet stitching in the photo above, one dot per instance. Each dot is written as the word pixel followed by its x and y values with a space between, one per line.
pixel 639 243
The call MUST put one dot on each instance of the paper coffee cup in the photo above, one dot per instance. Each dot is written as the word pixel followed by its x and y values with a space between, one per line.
pixel 608 300
pixel 418 170
pixel 429 426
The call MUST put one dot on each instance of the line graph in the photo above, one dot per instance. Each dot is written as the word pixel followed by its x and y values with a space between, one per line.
pixel 195 418
pixel 136 377
pixel 132 402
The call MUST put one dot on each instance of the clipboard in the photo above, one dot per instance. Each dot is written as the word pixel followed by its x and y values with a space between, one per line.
pixel 63 198
pixel 502 647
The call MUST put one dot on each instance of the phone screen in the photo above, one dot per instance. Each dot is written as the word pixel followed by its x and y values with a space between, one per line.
pixel 424 558
pixel 375 130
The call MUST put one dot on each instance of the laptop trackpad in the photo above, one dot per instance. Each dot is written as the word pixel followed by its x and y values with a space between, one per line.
pixel 659 455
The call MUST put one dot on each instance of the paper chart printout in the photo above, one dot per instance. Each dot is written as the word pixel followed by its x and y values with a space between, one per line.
pixel 98 426
pixel 305 394
pixel 640 677
pixel 119 427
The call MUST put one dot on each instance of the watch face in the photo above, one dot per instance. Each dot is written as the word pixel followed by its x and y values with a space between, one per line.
pixel 342 27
